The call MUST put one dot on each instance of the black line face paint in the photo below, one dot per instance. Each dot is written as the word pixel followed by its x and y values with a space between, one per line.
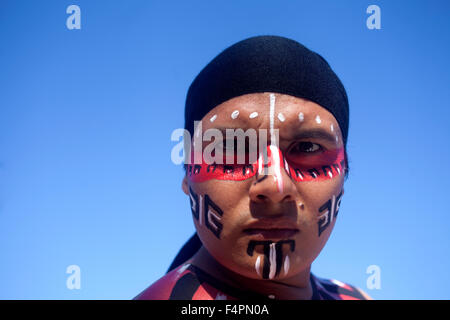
pixel 273 257
pixel 193 198
pixel 213 216
pixel 206 211
pixel 331 208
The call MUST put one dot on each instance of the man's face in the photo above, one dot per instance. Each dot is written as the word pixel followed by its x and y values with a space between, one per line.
pixel 269 219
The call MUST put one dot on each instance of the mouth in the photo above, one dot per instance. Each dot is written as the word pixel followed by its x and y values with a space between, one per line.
pixel 274 233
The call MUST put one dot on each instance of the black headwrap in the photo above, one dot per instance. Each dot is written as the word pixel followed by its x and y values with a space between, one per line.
pixel 267 64
pixel 263 64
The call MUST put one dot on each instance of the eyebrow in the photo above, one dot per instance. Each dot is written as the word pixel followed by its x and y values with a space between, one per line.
pixel 315 133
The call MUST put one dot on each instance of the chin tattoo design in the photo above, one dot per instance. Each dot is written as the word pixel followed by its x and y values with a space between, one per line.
pixel 272 257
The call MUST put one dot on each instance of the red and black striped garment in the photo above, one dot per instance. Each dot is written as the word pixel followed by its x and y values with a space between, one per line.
pixel 188 282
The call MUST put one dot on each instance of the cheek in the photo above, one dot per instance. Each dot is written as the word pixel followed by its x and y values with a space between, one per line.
pixel 218 207
pixel 320 205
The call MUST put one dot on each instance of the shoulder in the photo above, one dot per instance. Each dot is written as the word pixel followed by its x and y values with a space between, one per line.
pixel 331 289
pixel 181 283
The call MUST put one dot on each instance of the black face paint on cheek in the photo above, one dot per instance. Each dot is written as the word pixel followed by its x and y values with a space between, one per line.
pixel 197 169
pixel 246 169
pixel 193 198
pixel 229 169
pixel 213 216
pixel 206 211
pixel 314 172
pixel 299 173
pixel 213 166
pixel 331 208
pixel 273 256
pixel 327 171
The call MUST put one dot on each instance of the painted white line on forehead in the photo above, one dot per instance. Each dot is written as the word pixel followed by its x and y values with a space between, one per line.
pixel 253 115
pixel 332 128
pixel 274 151
pixel 214 117
pixel 271 118
pixel 235 114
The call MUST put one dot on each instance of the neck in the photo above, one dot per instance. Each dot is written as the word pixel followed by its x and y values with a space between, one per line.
pixel 297 287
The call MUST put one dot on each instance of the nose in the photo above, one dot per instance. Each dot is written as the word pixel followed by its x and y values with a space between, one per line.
pixel 274 185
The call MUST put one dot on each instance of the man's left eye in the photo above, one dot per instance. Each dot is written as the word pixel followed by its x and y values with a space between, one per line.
pixel 305 147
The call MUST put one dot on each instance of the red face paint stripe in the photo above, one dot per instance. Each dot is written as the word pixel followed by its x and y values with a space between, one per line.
pixel 324 166
pixel 328 166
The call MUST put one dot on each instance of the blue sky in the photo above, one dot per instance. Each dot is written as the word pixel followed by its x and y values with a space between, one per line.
pixel 86 116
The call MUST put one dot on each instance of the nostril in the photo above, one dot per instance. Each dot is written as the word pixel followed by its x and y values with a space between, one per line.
pixel 261 197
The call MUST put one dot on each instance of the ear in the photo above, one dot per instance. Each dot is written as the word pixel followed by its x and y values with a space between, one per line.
pixel 185 186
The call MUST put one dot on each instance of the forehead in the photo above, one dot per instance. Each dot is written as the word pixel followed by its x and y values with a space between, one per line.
pixel 254 111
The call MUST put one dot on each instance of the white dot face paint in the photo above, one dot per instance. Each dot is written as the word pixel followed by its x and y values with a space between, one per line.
pixel 337 139
pixel 253 115
pixel 318 120
pixel 301 117
pixel 214 117
pixel 235 114
pixel 281 117
pixel 332 128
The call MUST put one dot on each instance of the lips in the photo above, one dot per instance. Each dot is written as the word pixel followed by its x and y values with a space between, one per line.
pixel 272 233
